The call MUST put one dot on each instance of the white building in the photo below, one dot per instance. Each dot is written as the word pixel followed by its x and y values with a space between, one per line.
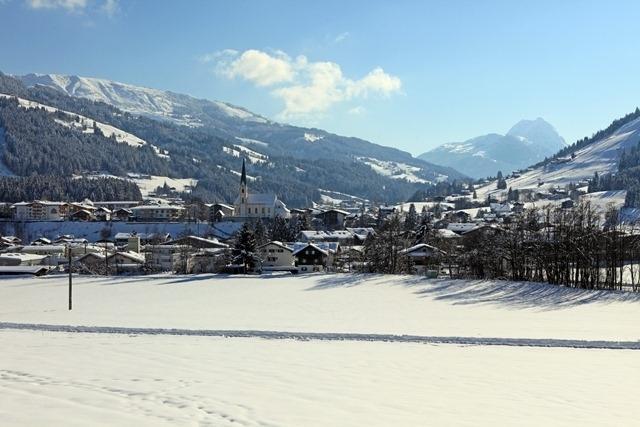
pixel 40 210
pixel 157 212
pixel 257 205
pixel 275 254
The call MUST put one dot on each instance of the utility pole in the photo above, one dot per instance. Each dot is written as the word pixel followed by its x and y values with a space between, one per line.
pixel 70 277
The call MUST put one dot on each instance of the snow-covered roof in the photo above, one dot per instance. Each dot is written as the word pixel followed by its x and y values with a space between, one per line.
pixel 310 245
pixel 340 211
pixel 325 235
pixel 259 199
pixel 134 256
pixel 156 207
pixel 276 243
pixel 420 247
pixel 325 246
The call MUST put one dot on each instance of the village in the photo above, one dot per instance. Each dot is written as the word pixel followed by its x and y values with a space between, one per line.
pixel 257 233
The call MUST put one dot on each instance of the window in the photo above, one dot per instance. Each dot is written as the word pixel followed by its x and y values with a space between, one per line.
pixel 262 211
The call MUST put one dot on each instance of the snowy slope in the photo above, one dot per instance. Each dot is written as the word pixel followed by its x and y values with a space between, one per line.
pixel 600 156
pixel 138 100
pixel 397 170
pixel 86 123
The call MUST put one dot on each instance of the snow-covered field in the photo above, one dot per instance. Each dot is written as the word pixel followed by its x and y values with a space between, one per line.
pixel 428 352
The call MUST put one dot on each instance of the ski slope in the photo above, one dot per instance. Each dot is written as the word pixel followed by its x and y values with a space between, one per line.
pixel 315 350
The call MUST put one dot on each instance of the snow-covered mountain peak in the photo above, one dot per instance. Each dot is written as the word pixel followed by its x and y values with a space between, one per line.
pixel 526 143
pixel 140 100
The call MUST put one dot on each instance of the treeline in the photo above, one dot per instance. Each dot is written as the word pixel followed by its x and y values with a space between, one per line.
pixel 46 187
pixel 570 247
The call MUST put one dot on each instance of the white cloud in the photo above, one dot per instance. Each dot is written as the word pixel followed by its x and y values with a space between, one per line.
pixel 305 87
pixel 69 5
pixel 258 67
pixel 341 37
pixel 110 7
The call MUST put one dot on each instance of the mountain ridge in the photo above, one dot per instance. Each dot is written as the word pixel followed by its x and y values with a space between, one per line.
pixel 290 161
pixel 526 143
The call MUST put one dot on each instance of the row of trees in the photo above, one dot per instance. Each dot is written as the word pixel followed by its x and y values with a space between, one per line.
pixel 571 247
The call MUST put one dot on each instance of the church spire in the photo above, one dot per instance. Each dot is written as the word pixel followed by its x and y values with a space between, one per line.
pixel 243 177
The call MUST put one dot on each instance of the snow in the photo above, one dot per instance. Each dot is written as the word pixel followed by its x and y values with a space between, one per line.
pixel 149 183
pixel 394 170
pixel 253 141
pixel 239 113
pixel 107 130
pixel 136 99
pixel 242 151
pixel 310 137
pixel 482 352
pixel 345 196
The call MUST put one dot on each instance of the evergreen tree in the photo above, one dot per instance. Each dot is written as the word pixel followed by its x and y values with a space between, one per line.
pixel 244 249
pixel 411 219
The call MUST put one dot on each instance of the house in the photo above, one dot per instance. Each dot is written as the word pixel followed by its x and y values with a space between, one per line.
pixel 209 260
pixel 41 241
pixel 333 218
pixel 102 214
pixel 424 258
pixel 219 211
pixel 121 214
pixel 386 211
pixel 257 205
pixel 40 210
pixel 125 262
pixel 360 234
pixel 122 239
pixel 54 254
pixel 275 254
pixel 160 212
pixel 168 257
pixel 501 208
pixel 16 258
pixel 311 258
pixel 92 262
pixel 82 215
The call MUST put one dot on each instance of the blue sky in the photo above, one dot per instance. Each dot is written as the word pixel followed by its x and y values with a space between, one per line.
pixel 407 74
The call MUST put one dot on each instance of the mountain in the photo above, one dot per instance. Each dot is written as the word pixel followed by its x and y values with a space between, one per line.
pixel 526 143
pixel 577 163
pixel 69 125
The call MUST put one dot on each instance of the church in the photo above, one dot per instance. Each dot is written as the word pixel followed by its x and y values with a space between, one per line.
pixel 257 205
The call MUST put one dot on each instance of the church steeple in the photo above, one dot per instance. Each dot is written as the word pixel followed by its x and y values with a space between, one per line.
pixel 243 177
pixel 243 184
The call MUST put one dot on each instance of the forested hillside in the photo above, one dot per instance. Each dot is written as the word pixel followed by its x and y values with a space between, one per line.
pixel 47 187
pixel 36 142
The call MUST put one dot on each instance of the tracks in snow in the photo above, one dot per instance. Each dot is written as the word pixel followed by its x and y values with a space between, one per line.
pixel 331 336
